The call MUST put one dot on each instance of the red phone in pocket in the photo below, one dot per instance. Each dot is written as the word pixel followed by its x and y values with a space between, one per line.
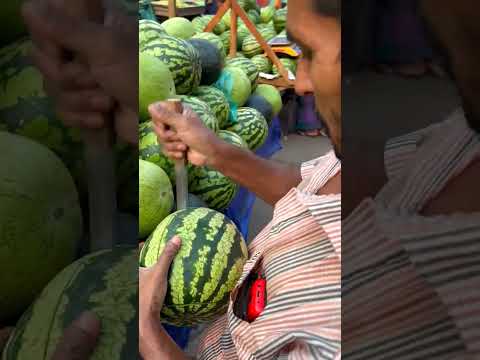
pixel 257 298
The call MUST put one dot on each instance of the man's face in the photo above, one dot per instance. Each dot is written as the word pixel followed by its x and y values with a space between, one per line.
pixel 320 69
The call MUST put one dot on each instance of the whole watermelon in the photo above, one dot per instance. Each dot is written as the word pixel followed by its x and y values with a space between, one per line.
pixel 225 37
pixel 272 95
pixel 263 63
pixel 212 187
pixel 236 84
pixel 40 218
pixel 217 102
pixel 252 47
pixel 179 27
pixel 247 66
pixel 155 197
pixel 289 64
pixel 232 138
pixel 254 16
pixel 150 150
pixel 214 39
pixel 181 58
pixel 206 268
pixel 155 83
pixel 260 104
pixel 103 282
pixel 149 30
pixel 280 19
pixel 267 13
pixel 201 22
pixel 251 126
pixel 203 111
pixel 211 59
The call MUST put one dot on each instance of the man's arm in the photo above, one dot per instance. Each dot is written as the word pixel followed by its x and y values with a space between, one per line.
pixel 156 344
pixel 269 180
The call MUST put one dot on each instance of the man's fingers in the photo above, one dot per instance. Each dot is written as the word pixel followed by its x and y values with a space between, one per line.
pixel 175 155
pixel 88 120
pixel 79 339
pixel 48 65
pixel 74 75
pixel 160 114
pixel 176 146
pixel 85 101
pixel 163 134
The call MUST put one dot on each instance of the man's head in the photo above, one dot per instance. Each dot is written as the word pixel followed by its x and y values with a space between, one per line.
pixel 455 27
pixel 315 25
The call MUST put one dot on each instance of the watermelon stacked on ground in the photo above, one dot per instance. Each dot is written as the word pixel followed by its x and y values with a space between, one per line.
pixel 260 104
pixel 181 58
pixel 102 282
pixel 202 110
pixel 263 63
pixel 201 22
pixel 179 27
pixel 280 19
pixel 252 47
pixel 251 126
pixel 272 95
pixel 217 102
pixel 247 66
pixel 148 31
pixel 289 64
pixel 235 84
pixel 40 218
pixel 205 270
pixel 267 13
pixel 214 39
pixel 232 138
pixel 211 59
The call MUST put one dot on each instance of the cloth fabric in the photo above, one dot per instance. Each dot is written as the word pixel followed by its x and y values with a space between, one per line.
pixel 418 276
pixel 145 10
pixel 307 117
pixel 299 254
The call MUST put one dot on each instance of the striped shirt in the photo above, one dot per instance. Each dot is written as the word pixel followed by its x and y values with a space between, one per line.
pixel 411 283
pixel 299 254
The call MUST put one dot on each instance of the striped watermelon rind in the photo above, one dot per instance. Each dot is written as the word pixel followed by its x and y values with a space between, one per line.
pixel 214 39
pixel 232 138
pixel 102 282
pixel 247 66
pixel 280 19
pixel 251 126
pixel 289 64
pixel 217 102
pixel 148 31
pixel 201 22
pixel 263 63
pixel 203 111
pixel 252 47
pixel 181 58
pixel 205 270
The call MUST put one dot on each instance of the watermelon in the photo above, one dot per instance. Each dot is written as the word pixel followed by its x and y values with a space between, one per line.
pixel 155 83
pixel 201 22
pixel 149 30
pixel 205 270
pixel 251 126
pixel 181 58
pixel 267 13
pixel 104 282
pixel 155 199
pixel 242 33
pixel 40 218
pixel 150 150
pixel 214 39
pixel 254 16
pixel 232 138
pixel 247 66
pixel 212 187
pixel 280 19
pixel 211 59
pixel 263 63
pixel 235 84
pixel 260 104
pixel 202 110
pixel 217 102
pixel 289 64
pixel 225 37
pixel 272 95
pixel 252 47
pixel 240 54
pixel 179 27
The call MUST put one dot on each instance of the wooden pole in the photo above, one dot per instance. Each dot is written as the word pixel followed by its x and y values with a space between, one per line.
pixel 218 16
pixel 172 8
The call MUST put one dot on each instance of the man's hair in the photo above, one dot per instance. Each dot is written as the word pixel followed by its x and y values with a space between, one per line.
pixel 331 8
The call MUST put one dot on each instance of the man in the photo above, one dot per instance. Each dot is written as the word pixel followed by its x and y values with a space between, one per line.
pixel 302 243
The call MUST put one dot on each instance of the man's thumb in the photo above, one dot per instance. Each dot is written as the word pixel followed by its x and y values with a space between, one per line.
pixel 168 254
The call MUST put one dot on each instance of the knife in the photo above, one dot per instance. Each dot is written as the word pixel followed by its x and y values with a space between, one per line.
pixel 181 180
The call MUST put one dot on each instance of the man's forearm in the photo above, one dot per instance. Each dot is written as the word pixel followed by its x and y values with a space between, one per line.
pixel 269 180
pixel 156 344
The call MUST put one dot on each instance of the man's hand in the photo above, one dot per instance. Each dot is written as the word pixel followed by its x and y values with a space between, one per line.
pixel 189 135
pixel 79 339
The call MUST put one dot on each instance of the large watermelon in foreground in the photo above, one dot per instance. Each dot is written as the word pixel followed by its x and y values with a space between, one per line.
pixel 181 58
pixel 205 270
pixel 148 31
pixel 40 221
pixel 102 282
pixel 217 101
pixel 251 126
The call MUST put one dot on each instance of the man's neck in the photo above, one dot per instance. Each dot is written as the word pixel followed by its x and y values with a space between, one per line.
pixel 332 186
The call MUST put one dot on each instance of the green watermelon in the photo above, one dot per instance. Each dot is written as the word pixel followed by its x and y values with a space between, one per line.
pixel 254 16
pixel 212 187
pixel 280 19
pixel 40 218
pixel 149 30
pixel 214 39
pixel 150 150
pixel 155 83
pixel 252 47
pixel 217 101
pixel 104 282
pixel 201 22
pixel 232 138
pixel 155 199
pixel 205 270
pixel 179 27
pixel 263 63
pixel 272 95
pixel 181 58
pixel 203 111
pixel 225 37
pixel 289 64
pixel 260 104
pixel 236 85
pixel 211 59
pixel 247 66
pixel 242 33
pixel 251 126
pixel 240 55
pixel 267 13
